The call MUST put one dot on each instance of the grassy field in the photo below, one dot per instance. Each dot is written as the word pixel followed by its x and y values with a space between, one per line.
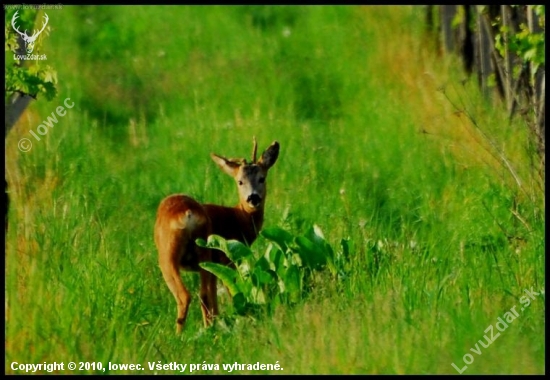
pixel 444 240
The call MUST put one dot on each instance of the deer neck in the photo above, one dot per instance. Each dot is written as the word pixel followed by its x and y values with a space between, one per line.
pixel 254 217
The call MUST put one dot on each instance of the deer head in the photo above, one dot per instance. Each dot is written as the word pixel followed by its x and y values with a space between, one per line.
pixel 250 177
pixel 29 40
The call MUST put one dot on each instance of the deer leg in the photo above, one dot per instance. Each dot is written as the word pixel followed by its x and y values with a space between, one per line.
pixel 209 294
pixel 170 272
pixel 209 304
pixel 213 294
pixel 209 300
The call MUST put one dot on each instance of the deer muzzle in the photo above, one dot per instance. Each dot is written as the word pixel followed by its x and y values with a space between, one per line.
pixel 254 200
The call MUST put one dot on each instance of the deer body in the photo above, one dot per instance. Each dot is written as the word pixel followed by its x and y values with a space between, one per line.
pixel 181 220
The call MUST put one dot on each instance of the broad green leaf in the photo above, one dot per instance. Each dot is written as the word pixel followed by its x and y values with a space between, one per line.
pixel 257 296
pixel 245 284
pixel 239 251
pixel 292 282
pixel 281 285
pixel 239 303
pixel 315 234
pixel 279 236
pixel 244 270
pixel 234 250
pixel 227 275
pixel 262 263
pixel 273 275
pixel 312 255
pixel 214 241
pixel 262 277
pixel 295 259
pixel 275 258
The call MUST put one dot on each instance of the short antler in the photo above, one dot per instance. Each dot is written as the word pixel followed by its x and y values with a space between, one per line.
pixel 254 151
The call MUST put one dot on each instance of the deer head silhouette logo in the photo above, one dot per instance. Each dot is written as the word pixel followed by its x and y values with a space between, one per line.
pixel 29 40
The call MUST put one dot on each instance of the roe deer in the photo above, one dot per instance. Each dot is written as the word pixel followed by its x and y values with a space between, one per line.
pixel 181 220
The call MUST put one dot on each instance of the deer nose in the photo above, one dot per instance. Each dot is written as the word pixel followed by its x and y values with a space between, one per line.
pixel 254 199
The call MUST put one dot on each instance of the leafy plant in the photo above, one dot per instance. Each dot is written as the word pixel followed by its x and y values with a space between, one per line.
pixel 527 45
pixel 283 274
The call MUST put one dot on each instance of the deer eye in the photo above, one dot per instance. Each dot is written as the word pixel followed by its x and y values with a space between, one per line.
pixel 240 183
pixel 261 180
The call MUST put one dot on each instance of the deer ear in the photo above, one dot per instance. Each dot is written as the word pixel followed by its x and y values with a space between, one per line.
pixel 228 166
pixel 270 155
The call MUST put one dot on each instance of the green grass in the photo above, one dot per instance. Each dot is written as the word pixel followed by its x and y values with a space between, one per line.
pixel 370 150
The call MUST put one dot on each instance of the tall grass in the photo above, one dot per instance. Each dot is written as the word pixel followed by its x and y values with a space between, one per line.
pixel 371 150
